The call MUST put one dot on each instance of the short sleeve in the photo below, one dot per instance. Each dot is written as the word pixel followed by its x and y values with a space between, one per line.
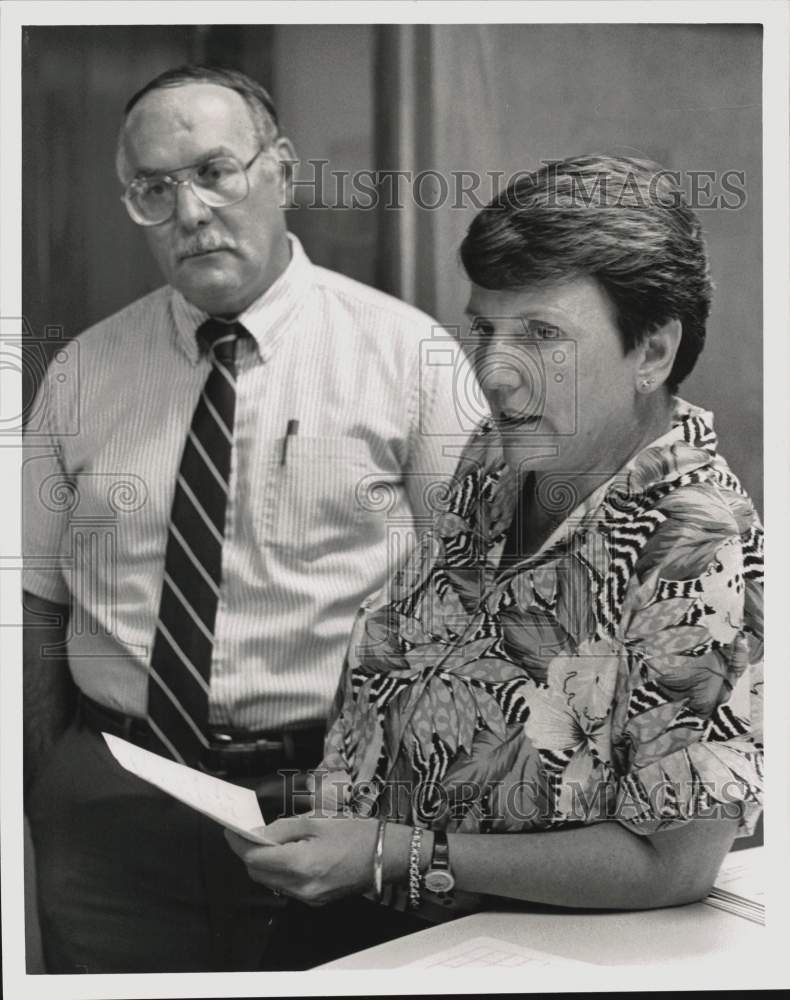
pixel 687 724
pixel 47 498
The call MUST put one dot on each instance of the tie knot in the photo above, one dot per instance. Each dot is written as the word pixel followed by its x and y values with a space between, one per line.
pixel 221 338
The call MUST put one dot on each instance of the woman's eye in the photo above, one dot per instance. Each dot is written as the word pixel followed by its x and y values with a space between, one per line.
pixel 482 329
pixel 544 331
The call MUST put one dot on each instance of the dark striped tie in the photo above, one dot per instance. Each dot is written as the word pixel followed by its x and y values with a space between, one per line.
pixel 178 684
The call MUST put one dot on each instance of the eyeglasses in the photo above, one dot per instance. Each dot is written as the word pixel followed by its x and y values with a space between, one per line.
pixel 217 182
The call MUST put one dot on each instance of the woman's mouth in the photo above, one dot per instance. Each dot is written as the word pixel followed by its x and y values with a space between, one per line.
pixel 517 421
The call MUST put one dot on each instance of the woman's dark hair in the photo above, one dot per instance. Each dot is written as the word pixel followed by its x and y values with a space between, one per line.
pixel 623 222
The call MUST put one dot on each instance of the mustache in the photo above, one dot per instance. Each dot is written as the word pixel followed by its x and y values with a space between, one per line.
pixel 203 245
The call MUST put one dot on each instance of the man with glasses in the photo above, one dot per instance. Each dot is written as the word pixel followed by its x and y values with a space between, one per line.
pixel 240 426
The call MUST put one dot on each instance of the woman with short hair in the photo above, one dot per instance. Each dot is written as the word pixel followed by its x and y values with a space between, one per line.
pixel 573 657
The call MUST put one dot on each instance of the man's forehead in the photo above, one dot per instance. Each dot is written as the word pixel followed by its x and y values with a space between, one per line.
pixel 167 121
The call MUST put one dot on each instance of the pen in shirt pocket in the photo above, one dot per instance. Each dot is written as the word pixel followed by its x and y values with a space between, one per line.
pixel 290 431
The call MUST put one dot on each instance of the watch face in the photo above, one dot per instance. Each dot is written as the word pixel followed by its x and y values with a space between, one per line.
pixel 437 880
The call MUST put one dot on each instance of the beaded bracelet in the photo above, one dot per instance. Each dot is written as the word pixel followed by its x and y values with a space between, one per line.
pixel 378 862
pixel 415 900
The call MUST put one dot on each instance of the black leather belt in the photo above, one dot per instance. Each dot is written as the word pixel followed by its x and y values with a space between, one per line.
pixel 231 753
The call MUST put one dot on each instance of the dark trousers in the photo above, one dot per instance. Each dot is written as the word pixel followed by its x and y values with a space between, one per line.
pixel 129 880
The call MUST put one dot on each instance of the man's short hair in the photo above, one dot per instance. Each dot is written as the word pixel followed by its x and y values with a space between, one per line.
pixel 621 221
pixel 262 109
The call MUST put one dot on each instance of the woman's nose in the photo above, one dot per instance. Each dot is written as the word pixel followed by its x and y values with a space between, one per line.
pixel 500 370
pixel 512 380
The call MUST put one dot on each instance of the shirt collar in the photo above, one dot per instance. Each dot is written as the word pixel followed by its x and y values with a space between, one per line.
pixel 266 318
pixel 688 445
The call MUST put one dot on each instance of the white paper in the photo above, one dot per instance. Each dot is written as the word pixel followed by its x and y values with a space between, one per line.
pixel 740 885
pixel 488 952
pixel 742 872
pixel 234 807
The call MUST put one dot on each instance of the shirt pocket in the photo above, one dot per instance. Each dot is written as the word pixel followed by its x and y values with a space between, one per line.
pixel 315 500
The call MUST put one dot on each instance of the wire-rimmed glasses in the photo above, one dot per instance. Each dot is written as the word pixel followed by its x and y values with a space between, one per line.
pixel 218 182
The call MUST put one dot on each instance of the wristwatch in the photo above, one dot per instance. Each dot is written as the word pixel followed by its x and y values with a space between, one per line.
pixel 439 878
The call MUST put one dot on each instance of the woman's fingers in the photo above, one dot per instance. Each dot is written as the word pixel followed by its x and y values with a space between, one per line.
pixel 278 867
pixel 247 848
pixel 313 859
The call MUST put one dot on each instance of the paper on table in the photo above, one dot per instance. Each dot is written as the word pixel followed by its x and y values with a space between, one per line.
pixel 740 885
pixel 234 807
pixel 488 952
pixel 742 872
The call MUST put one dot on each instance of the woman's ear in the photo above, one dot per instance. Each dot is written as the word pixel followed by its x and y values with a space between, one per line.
pixel 657 356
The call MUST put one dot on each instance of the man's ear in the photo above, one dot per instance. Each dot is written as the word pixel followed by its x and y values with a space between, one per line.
pixel 283 150
pixel 657 355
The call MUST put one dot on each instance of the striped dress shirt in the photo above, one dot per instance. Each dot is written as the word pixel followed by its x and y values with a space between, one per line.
pixel 314 524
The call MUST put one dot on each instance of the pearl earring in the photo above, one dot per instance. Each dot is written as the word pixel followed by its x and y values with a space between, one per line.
pixel 645 383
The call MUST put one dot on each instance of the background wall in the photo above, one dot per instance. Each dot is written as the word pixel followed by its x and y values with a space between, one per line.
pixel 506 97
pixel 323 83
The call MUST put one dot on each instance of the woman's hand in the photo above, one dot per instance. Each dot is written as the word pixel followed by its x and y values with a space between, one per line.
pixel 315 860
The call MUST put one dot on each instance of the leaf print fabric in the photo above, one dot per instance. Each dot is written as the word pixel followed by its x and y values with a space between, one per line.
pixel 613 675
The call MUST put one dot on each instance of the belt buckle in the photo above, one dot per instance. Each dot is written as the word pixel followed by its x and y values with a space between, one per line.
pixel 227 752
pixel 227 744
pixel 269 746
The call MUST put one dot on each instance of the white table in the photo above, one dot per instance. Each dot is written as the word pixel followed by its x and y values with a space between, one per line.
pixel 649 936
pixel 688 938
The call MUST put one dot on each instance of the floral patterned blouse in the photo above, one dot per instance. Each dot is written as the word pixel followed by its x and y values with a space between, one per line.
pixel 613 674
